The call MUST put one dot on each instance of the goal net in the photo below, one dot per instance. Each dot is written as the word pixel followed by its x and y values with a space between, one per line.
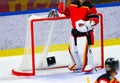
pixel 47 43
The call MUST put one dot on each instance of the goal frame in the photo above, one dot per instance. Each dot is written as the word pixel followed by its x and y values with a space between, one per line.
pixel 23 73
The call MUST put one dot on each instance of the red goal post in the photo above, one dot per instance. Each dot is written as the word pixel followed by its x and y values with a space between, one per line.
pixel 32 72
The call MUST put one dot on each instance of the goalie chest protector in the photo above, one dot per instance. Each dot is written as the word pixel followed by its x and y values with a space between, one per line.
pixel 80 12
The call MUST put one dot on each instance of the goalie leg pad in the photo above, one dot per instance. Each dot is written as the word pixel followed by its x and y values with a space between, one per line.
pixel 90 61
pixel 74 53
pixel 82 46
pixel 86 54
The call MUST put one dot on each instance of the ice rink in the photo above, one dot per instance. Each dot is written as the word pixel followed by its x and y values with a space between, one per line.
pixel 62 76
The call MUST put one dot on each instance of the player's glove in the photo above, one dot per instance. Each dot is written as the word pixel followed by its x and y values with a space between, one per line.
pixel 89 24
pixel 84 26
pixel 80 26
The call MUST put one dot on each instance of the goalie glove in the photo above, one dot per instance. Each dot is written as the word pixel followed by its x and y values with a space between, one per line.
pixel 80 26
pixel 84 26
pixel 89 24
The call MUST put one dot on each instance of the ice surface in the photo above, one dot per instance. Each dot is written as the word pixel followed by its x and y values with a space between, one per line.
pixel 62 76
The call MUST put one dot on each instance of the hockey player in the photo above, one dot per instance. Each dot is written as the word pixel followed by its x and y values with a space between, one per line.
pixel 112 68
pixel 83 17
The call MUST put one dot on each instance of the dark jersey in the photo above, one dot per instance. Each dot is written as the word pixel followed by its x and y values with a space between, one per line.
pixel 106 78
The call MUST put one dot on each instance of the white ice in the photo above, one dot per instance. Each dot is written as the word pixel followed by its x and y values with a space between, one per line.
pixel 8 63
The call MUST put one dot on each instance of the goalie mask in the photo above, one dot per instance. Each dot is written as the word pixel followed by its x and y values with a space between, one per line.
pixel 53 13
pixel 112 64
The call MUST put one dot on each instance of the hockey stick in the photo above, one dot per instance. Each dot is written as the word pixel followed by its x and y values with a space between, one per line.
pixel 88 79
pixel 44 61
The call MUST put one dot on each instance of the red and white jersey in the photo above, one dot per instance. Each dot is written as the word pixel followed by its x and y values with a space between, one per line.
pixel 83 11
